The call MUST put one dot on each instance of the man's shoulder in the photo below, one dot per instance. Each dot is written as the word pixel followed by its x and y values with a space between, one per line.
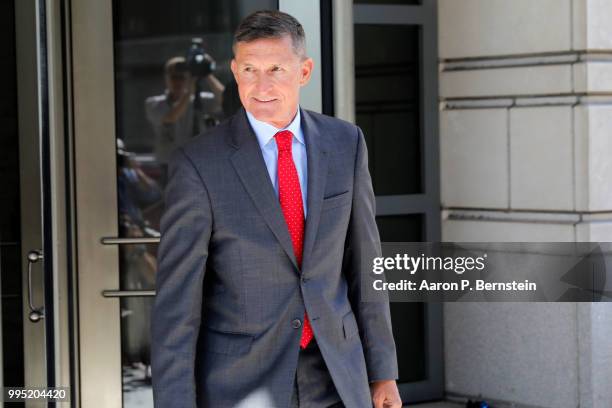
pixel 327 121
pixel 340 133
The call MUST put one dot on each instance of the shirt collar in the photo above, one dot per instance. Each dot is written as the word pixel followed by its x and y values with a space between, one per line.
pixel 265 132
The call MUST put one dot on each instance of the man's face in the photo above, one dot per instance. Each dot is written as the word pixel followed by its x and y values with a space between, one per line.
pixel 177 81
pixel 269 75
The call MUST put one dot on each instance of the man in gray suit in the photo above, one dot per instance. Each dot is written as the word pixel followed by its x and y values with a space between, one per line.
pixel 260 284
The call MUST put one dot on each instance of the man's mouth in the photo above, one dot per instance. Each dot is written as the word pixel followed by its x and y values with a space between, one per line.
pixel 262 100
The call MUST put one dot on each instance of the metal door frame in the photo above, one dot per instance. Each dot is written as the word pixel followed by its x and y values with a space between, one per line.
pixel 41 96
pixel 345 15
pixel 28 105
pixel 95 175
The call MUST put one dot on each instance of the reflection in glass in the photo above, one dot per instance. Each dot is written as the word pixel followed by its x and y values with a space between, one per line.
pixel 136 351
pixel 387 93
pixel 172 82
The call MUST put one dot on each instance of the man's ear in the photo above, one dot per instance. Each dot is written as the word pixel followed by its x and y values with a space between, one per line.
pixel 306 71
pixel 234 68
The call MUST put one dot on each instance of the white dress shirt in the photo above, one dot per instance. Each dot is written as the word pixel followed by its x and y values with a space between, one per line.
pixel 265 136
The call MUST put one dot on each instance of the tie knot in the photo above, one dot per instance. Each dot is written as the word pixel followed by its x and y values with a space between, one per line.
pixel 283 140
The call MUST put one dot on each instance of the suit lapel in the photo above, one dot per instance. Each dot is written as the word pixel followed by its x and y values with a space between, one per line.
pixel 251 168
pixel 317 176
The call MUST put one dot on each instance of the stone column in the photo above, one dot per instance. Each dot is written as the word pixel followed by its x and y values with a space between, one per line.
pixel 526 155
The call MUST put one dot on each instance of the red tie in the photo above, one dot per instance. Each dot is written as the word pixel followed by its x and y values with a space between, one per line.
pixel 290 196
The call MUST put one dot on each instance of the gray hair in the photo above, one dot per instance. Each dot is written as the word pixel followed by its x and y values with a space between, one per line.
pixel 271 24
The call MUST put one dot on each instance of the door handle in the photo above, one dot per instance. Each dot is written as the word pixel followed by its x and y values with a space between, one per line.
pixel 131 240
pixel 35 313
pixel 127 293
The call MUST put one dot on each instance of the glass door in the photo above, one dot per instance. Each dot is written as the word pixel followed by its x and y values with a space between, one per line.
pixel 147 76
pixel 386 83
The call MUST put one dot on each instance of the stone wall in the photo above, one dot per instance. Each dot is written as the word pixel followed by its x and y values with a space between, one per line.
pixel 526 155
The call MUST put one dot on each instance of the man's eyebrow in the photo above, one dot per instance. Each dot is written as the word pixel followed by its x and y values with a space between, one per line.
pixel 270 65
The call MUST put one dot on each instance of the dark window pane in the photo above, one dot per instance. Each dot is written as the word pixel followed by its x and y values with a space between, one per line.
pixel 387 93
pixel 12 314
pixel 408 320
pixel 10 207
pixel 400 228
pixel 9 137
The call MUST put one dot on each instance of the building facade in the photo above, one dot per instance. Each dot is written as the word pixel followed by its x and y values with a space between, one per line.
pixel 525 125
pixel 486 121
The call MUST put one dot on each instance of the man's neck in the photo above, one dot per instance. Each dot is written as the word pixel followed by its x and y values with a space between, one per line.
pixel 282 125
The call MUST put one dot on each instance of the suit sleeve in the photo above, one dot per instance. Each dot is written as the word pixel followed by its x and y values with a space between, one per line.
pixel 362 244
pixel 186 226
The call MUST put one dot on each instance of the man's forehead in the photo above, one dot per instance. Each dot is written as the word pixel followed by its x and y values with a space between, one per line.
pixel 265 47
pixel 262 59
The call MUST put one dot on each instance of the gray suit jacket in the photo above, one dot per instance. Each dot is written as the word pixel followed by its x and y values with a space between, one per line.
pixel 228 285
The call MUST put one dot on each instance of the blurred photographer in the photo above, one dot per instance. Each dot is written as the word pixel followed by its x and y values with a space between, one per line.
pixel 184 110
pixel 137 193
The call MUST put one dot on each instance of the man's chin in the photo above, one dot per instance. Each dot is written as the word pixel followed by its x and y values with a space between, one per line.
pixel 264 114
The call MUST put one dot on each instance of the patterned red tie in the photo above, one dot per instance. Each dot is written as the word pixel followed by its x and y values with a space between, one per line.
pixel 290 196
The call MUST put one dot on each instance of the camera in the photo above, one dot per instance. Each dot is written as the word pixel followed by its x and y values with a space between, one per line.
pixel 199 63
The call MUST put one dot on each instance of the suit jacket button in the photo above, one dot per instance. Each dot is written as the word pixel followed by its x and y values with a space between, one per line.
pixel 296 323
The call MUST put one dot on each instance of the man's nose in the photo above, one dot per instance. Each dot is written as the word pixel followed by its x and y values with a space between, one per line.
pixel 263 83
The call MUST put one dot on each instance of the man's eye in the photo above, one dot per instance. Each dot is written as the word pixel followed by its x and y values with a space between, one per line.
pixel 248 69
pixel 277 69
